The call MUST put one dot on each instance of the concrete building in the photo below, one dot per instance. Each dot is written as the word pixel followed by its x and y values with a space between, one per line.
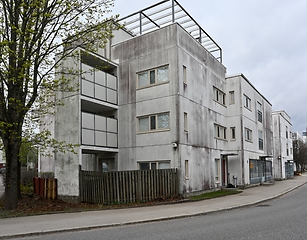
pixel 157 97
pixel 249 124
pixel 283 148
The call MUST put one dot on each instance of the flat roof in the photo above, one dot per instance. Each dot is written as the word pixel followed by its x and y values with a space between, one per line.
pixel 165 13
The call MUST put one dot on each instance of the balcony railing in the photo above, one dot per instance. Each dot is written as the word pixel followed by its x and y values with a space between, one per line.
pixel 98 131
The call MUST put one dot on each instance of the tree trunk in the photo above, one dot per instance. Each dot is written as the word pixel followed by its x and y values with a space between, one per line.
pixel 12 171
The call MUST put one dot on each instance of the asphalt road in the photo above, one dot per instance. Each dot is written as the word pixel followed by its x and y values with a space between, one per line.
pixel 282 218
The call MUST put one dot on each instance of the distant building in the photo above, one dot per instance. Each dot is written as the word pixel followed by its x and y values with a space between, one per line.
pixel 283 148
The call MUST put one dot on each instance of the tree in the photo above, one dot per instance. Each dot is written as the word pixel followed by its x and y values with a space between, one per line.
pixel 299 153
pixel 35 35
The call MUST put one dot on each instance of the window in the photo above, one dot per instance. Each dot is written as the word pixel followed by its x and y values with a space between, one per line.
pixel 220 132
pixel 184 75
pixel 248 134
pixel 154 165
pixel 232 133
pixel 219 96
pixel 260 138
pixel 231 97
pixel 151 77
pixel 286 131
pixel 186 169
pixel 185 121
pixel 154 122
pixel 217 170
pixel 259 110
pixel 247 102
pixel 287 146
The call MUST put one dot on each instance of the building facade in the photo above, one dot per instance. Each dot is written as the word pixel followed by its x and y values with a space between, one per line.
pixel 249 124
pixel 283 147
pixel 157 97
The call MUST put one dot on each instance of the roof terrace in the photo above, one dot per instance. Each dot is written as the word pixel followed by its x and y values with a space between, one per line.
pixel 167 12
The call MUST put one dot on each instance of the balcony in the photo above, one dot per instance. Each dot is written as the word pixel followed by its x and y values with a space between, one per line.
pixel 98 131
pixel 98 85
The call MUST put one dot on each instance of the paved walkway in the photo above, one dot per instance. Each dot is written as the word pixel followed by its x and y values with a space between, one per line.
pixel 95 219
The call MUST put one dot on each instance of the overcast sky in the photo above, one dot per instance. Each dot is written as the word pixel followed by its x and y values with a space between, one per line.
pixel 266 40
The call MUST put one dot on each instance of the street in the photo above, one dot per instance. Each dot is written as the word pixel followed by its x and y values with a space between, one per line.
pixel 282 218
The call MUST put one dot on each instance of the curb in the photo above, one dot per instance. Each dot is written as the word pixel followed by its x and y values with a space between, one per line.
pixel 37 233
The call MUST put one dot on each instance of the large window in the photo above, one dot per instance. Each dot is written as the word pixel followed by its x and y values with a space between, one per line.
pixel 259 110
pixel 152 77
pixel 247 102
pixel 286 131
pixel 260 137
pixel 154 165
pixel 154 122
pixel 248 134
pixel 220 132
pixel 219 96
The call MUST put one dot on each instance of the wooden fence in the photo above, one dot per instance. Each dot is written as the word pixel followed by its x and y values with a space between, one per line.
pixel 128 186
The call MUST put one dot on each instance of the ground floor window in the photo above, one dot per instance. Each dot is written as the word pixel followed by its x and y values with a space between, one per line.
pixel 154 165
pixel 260 170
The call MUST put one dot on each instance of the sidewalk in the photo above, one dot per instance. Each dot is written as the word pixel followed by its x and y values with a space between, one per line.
pixel 94 219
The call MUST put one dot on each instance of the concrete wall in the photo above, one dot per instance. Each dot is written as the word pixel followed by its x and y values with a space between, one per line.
pixel 241 117
pixel 67 119
pixel 174 47
pixel 281 139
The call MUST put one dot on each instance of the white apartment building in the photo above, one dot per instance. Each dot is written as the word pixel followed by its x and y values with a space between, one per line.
pixel 249 124
pixel 282 138
pixel 157 97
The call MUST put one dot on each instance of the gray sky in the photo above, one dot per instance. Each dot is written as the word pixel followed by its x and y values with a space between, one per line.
pixel 266 40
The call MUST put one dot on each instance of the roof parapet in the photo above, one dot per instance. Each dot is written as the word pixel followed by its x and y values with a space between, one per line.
pixel 164 13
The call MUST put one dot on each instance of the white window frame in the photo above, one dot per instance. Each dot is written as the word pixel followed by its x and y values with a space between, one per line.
pixel 151 164
pixel 220 132
pixel 219 96
pixel 156 123
pixel 247 102
pixel 155 71
pixel 248 135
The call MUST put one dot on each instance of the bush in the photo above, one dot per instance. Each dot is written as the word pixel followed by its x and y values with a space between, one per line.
pixel 26 176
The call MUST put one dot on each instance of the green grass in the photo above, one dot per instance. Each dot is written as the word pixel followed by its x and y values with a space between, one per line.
pixel 214 194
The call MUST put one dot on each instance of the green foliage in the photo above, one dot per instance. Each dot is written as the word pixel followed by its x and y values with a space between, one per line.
pixel 300 154
pixel 35 35
pixel 214 194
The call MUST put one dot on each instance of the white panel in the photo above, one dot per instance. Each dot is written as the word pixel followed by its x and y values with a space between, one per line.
pixel 112 125
pixel 111 96
pixel 111 81
pixel 100 92
pixel 111 140
pixel 100 77
pixel 87 137
pixel 100 139
pixel 100 123
pixel 87 120
pixel 87 88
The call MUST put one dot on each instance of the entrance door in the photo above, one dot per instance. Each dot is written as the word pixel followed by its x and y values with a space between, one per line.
pixel 224 174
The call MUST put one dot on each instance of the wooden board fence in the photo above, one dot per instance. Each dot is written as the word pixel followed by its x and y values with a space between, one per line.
pixel 128 186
